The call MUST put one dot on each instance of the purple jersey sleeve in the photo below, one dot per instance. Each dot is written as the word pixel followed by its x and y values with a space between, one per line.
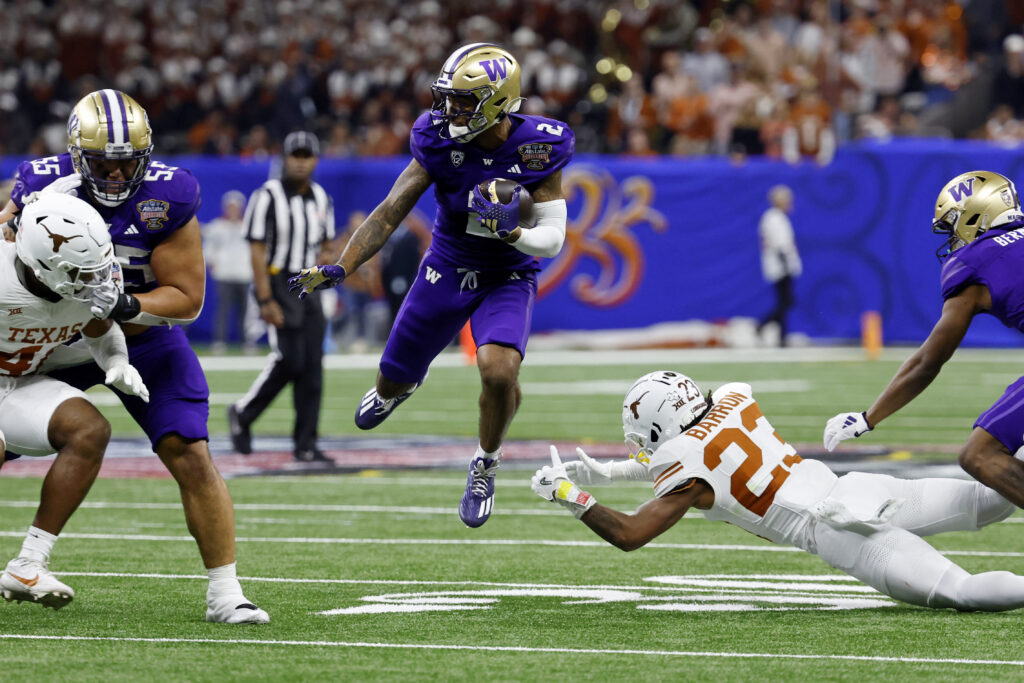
pixel 180 191
pixel 956 274
pixel 32 176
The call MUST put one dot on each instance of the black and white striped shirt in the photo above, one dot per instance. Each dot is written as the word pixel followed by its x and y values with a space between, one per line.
pixel 293 226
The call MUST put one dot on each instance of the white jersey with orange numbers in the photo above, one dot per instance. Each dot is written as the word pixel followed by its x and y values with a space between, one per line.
pixel 31 327
pixel 760 483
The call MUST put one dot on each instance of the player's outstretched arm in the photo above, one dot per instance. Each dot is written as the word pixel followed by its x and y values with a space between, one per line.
pixel 109 349
pixel 653 518
pixel 371 234
pixel 626 532
pixel 918 371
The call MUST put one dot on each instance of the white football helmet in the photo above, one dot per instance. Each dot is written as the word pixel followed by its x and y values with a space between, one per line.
pixel 659 406
pixel 64 241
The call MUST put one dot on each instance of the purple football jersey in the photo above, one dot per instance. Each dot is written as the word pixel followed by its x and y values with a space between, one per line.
pixel 536 148
pixel 167 199
pixel 995 260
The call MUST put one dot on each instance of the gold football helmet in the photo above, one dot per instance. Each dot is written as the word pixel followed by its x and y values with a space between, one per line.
pixel 971 204
pixel 110 143
pixel 477 87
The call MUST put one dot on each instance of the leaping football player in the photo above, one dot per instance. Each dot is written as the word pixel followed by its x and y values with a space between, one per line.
pixel 719 454
pixel 481 266
pixel 150 209
pixel 62 255
pixel 983 257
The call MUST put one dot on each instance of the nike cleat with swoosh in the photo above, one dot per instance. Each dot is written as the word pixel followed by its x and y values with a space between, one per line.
pixel 27 580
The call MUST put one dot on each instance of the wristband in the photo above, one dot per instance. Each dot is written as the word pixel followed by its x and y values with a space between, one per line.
pixel 264 302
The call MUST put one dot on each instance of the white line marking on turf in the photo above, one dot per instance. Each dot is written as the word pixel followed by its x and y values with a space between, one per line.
pixel 492 541
pixel 546 511
pixel 614 387
pixel 508 648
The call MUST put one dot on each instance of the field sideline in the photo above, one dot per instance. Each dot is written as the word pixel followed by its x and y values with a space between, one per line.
pixel 371 576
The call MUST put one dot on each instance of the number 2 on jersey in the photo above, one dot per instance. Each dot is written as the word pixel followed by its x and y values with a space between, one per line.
pixel 758 504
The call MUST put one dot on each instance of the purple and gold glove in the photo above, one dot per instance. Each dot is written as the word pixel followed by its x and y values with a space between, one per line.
pixel 500 219
pixel 317 277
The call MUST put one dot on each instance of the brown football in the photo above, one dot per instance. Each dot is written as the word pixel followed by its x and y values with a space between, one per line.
pixel 500 189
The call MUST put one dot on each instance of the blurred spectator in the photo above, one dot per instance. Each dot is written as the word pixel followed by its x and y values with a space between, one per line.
pixel 1008 88
pixel 225 247
pixel 223 77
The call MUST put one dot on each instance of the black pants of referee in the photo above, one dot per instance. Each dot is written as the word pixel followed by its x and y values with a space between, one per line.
pixel 296 357
pixel 784 301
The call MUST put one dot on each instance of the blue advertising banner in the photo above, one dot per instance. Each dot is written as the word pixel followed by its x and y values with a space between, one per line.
pixel 663 239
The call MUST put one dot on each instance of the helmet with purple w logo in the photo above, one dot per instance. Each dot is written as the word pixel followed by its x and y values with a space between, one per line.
pixel 477 87
pixel 971 204
pixel 110 143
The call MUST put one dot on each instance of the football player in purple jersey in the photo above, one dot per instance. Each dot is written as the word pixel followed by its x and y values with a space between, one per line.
pixel 983 257
pixel 481 266
pixel 150 209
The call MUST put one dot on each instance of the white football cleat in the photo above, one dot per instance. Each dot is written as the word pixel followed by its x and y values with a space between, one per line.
pixel 27 580
pixel 235 609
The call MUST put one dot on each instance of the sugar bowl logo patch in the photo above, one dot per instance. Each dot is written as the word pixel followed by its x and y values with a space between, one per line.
pixel 535 155
pixel 154 212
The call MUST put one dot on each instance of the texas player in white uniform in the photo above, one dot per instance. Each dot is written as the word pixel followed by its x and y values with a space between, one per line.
pixel 62 252
pixel 721 455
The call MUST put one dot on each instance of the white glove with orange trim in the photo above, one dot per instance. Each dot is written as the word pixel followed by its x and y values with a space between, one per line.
pixel 552 483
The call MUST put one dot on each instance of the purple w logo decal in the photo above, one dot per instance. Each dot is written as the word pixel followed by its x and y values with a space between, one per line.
pixel 964 189
pixel 496 68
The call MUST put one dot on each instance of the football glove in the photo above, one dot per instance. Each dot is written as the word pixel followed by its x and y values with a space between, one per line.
pixel 66 185
pixel 500 219
pixel 845 426
pixel 108 301
pixel 126 378
pixel 553 484
pixel 590 472
pixel 317 277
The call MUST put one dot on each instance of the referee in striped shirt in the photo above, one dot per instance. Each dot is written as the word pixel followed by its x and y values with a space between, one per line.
pixel 289 224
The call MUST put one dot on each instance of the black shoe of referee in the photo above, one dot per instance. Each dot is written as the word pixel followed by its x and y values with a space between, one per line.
pixel 312 455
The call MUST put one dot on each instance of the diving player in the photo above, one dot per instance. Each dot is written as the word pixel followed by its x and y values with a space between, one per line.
pixel 983 257
pixel 150 209
pixel 720 455
pixel 62 254
pixel 481 266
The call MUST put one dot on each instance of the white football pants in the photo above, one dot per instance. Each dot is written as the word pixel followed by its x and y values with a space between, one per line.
pixel 896 561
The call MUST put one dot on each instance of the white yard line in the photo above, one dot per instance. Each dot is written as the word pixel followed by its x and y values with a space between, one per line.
pixel 472 542
pixel 521 649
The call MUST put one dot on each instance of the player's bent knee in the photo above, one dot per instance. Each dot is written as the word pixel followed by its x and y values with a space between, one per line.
pixel 78 424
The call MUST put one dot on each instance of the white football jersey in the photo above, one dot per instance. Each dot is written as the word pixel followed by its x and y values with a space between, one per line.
pixel 760 483
pixel 31 327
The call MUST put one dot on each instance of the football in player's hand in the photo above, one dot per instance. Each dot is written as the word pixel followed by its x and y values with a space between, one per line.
pixel 500 190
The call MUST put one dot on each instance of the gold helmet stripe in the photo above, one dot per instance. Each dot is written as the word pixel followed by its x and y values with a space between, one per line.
pixel 117 119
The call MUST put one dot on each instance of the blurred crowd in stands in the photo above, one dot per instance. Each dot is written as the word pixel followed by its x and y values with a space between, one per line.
pixel 787 78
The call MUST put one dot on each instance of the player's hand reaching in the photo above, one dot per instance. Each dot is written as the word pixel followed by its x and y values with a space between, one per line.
pixel 845 426
pixel 552 483
pixel 108 301
pixel 500 219
pixel 588 471
pixel 317 277
pixel 66 185
pixel 124 377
